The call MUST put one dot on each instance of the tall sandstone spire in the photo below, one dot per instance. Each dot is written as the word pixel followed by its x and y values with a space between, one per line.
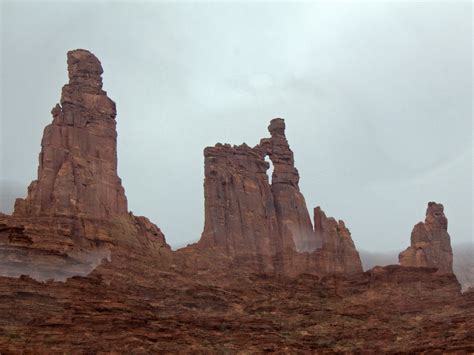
pixel 267 225
pixel 290 205
pixel 77 173
pixel 430 242
pixel 75 213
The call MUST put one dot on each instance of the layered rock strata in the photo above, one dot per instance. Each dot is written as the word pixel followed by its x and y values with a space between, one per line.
pixel 136 303
pixel 430 242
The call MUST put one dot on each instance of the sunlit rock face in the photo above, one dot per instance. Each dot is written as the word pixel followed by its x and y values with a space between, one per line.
pixel 267 226
pixel 430 242
pixel 75 212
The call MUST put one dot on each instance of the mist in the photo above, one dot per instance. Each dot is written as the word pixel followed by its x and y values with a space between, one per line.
pixel 43 266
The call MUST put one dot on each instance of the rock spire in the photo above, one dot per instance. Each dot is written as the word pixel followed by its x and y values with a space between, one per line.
pixel 430 242
pixel 77 171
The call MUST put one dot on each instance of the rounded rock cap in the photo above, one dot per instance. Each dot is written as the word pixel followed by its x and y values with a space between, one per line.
pixel 277 127
pixel 84 68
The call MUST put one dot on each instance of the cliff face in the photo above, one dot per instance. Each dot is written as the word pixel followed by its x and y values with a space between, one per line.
pixel 267 226
pixel 240 216
pixel 430 242
pixel 76 210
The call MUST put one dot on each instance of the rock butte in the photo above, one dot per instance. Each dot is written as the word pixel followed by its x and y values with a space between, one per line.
pixel 263 277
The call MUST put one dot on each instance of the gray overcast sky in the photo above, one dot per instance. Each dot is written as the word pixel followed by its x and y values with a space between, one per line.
pixel 377 98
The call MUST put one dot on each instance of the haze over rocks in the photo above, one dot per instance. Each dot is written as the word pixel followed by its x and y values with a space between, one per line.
pixel 262 277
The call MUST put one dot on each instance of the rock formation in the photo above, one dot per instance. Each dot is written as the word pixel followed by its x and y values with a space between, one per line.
pixel 430 242
pixel 292 213
pixel 239 207
pixel 229 293
pixel 338 253
pixel 76 210
pixel 77 171
pixel 265 225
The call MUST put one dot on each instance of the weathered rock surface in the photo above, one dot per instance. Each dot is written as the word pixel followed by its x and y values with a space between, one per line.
pixel 392 309
pixel 430 242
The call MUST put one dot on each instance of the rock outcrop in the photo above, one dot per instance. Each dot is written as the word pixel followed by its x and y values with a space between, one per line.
pixel 385 310
pixel 76 209
pixel 338 253
pixel 233 292
pixel 290 205
pixel 77 171
pixel 267 226
pixel 240 215
pixel 430 242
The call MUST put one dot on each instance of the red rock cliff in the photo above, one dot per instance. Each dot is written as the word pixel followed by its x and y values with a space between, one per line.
pixel 240 215
pixel 430 242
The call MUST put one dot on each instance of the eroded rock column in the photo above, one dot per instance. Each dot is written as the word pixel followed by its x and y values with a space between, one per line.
pixel 430 242
pixel 77 171
pixel 292 214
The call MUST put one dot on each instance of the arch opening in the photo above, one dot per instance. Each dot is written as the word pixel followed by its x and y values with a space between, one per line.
pixel 270 169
